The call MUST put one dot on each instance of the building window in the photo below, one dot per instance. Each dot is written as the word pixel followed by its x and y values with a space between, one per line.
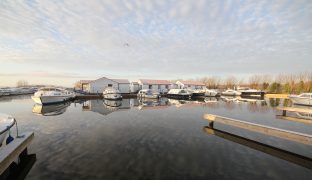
pixel 110 85
pixel 149 86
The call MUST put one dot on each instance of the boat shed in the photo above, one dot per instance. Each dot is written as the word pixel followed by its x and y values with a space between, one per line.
pixel 190 84
pixel 98 85
pixel 159 85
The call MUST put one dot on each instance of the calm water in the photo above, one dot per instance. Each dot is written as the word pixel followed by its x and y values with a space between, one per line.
pixel 153 140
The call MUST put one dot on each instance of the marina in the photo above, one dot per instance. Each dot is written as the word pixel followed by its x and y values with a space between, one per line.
pixel 156 90
pixel 144 134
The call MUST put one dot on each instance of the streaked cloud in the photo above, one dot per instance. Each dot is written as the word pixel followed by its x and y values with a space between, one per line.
pixel 160 39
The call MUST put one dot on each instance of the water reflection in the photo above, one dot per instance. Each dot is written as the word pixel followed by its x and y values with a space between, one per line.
pixel 50 110
pixel 105 107
pixel 153 103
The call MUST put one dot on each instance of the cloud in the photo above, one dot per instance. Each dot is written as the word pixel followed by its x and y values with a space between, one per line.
pixel 166 38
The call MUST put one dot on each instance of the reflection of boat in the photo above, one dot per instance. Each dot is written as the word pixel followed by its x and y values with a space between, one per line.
pixel 231 92
pixel 179 94
pixel 302 99
pixel 111 93
pixel 148 93
pixel 6 123
pixel 52 95
pixel 304 115
pixel 229 99
pixel 211 93
pixel 50 109
pixel 112 103
pixel 152 103
pixel 210 100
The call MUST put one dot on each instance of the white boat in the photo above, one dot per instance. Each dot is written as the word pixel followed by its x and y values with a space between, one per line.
pixel 179 94
pixel 6 123
pixel 231 92
pixel 197 92
pixel 302 99
pixel 5 92
pixel 111 93
pixel 211 93
pixel 148 93
pixel 52 95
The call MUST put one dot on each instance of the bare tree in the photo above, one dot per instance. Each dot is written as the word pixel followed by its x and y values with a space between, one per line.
pixel 22 83
pixel 254 81
pixel 230 82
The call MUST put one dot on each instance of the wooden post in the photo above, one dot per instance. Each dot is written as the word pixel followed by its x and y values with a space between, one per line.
pixel 267 130
pixel 284 112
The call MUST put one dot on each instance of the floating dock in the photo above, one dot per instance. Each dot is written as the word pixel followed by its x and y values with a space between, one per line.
pixel 293 109
pixel 253 94
pixel 267 130
pixel 273 151
pixel 16 149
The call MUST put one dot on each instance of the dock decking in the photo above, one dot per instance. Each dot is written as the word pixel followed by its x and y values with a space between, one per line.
pixel 276 152
pixel 276 132
pixel 12 151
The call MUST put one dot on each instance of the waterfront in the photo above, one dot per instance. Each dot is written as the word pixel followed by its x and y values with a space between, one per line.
pixel 153 140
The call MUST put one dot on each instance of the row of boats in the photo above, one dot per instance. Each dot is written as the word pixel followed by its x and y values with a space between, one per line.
pixel 17 91
pixel 56 95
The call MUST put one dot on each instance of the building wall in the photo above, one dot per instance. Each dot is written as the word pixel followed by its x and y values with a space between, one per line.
pixel 134 88
pixel 124 88
pixel 99 85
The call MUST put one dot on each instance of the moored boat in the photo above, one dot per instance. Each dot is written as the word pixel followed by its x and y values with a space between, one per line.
pixel 302 99
pixel 231 92
pixel 6 123
pixel 148 93
pixel 52 95
pixel 211 93
pixel 197 92
pixel 179 94
pixel 4 92
pixel 112 94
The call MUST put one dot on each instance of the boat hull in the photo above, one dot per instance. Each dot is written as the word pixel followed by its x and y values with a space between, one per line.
pixel 301 101
pixel 6 122
pixel 211 94
pixel 50 99
pixel 179 96
pixel 112 96
pixel 230 94
pixel 154 96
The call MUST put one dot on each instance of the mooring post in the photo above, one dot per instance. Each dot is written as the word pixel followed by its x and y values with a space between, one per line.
pixel 284 112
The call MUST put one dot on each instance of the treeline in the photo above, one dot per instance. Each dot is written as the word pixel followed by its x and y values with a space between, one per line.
pixel 282 83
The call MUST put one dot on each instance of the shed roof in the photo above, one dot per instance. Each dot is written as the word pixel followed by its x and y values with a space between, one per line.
pixel 85 81
pixel 153 81
pixel 190 82
pixel 121 81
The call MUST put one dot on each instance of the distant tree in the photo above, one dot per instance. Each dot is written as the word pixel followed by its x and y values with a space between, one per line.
pixel 22 83
pixel 230 82
pixel 254 81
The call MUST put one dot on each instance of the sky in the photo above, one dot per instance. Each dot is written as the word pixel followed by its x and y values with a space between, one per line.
pixel 59 42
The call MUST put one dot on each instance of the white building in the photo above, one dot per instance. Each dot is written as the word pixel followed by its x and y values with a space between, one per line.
pixel 134 87
pixel 158 85
pixel 190 85
pixel 98 85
